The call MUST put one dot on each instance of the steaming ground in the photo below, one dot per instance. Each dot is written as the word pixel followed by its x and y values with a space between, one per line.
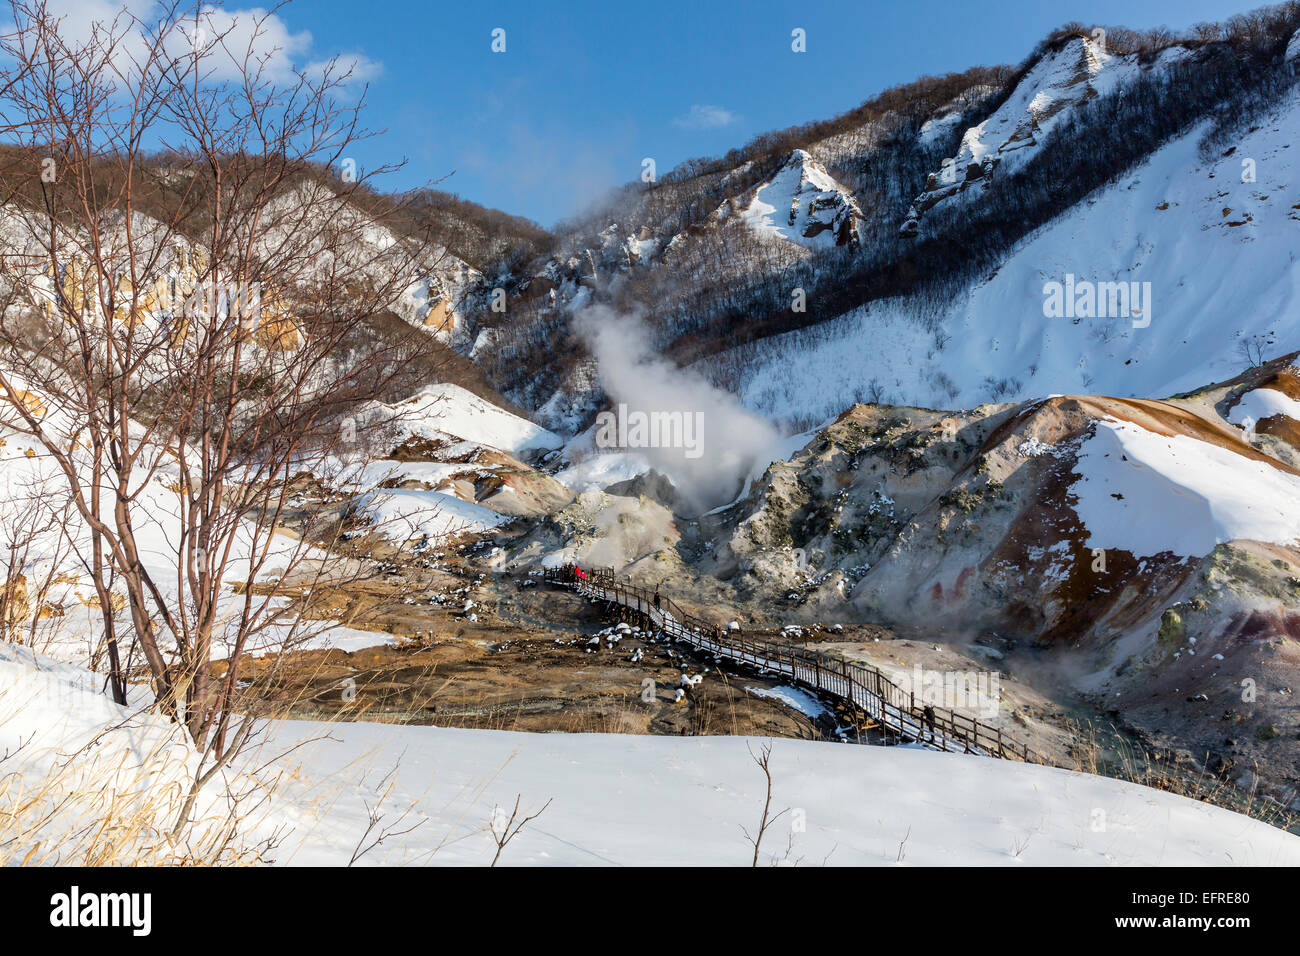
pixel 709 468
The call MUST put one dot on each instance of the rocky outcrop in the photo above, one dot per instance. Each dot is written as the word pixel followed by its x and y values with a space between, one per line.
pixel 803 203
pixel 956 526
pixel 1060 81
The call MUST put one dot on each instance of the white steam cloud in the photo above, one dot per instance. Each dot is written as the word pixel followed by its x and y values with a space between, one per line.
pixel 707 468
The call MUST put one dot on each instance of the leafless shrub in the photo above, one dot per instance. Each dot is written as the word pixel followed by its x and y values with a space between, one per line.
pixel 503 829
pixel 376 833
pixel 1251 349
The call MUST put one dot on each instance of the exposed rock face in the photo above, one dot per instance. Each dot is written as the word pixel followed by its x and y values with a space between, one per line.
pixel 652 485
pixel 802 203
pixel 174 298
pixel 276 328
pixel 587 274
pixel 1061 81
pixel 434 304
pixel 957 525
pixel 440 318
pixel 538 286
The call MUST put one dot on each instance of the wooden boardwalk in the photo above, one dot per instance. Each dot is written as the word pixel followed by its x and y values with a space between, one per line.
pixel 870 692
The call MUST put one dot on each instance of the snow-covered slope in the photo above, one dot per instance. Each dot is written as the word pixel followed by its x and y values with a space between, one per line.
pixel 318 226
pixel 665 801
pixel 620 800
pixel 425 516
pixel 441 411
pixel 1060 81
pixel 1215 252
pixel 446 464
pixel 1146 493
pixel 1261 403
pixel 47 595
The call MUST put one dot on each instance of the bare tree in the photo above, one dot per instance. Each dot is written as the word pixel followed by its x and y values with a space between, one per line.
pixel 40 559
pixel 1252 348
pixel 764 760
pixel 195 286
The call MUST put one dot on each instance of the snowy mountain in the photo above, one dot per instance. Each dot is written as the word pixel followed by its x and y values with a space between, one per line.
pixel 1217 252
pixel 926 229
pixel 1058 83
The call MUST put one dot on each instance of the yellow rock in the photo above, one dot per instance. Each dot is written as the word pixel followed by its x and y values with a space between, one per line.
pixel 78 287
pixel 131 306
pixel 276 328
pixel 440 318
pixel 15 605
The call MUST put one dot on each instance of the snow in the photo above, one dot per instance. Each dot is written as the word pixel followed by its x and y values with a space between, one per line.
pixel 89 764
pixel 800 185
pixel 626 799
pixel 402 515
pixel 72 635
pixel 792 697
pixel 1042 99
pixel 461 424
pixel 602 469
pixel 1032 447
pixel 1161 223
pixel 1263 403
pixel 1147 494
pixel 349 639
pixel 932 128
pixel 34 501
pixel 442 410
pixel 371 474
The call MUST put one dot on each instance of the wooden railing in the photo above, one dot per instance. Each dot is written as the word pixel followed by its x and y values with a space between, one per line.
pixel 895 711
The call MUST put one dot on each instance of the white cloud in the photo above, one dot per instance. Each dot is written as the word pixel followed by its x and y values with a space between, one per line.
pixel 231 37
pixel 703 116
pixel 357 66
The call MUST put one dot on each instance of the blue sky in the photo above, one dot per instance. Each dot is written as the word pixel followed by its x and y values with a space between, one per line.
pixel 586 90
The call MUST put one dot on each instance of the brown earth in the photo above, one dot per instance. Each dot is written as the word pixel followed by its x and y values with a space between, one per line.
pixel 526 663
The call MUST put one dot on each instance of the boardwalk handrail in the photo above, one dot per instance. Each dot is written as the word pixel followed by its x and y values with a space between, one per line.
pixel 862 685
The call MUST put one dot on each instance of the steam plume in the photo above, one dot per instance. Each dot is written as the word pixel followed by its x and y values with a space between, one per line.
pixel 732 440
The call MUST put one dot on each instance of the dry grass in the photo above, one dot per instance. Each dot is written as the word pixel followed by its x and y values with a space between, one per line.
pixel 115 801
pixel 1109 753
